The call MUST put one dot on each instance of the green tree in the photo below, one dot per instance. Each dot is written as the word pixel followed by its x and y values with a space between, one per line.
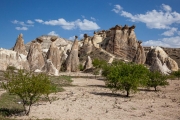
pixel 176 74
pixel 157 79
pixel 125 76
pixel 97 63
pixel 28 86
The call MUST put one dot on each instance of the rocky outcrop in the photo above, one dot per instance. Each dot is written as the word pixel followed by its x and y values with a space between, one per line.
pixel 50 69
pixel 173 53
pixel 46 42
pixel 96 40
pixel 12 58
pixel 87 45
pixel 54 54
pixel 19 45
pixel 159 60
pixel 88 63
pixel 122 42
pixel 35 56
pixel 72 61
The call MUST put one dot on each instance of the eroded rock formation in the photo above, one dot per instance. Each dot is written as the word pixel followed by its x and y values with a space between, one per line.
pixel 19 45
pixel 87 45
pixel 122 42
pixel 54 54
pixel 88 63
pixel 12 58
pixel 35 56
pixel 72 61
pixel 159 60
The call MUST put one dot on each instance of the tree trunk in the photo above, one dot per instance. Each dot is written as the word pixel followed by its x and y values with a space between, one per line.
pixel 127 93
pixel 155 88
pixel 28 110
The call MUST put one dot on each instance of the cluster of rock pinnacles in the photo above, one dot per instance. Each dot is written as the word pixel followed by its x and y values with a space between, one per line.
pixel 118 41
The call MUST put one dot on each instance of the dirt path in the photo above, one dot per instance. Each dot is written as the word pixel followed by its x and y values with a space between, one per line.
pixel 90 100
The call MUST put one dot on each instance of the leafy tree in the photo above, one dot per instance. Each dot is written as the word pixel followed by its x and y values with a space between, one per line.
pixel 98 63
pixel 157 79
pixel 125 76
pixel 28 86
pixel 176 74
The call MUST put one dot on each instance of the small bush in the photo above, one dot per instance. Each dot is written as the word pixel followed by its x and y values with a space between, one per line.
pixel 157 79
pixel 28 86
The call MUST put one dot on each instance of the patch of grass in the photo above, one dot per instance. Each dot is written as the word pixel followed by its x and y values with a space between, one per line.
pixel 60 81
pixel 9 105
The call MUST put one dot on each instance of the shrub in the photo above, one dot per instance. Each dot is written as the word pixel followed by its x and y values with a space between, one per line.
pixel 125 76
pixel 28 86
pixel 157 79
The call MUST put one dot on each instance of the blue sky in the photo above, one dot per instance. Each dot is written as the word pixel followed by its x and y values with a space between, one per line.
pixel 157 21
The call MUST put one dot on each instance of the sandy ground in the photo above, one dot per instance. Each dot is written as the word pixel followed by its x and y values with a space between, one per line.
pixel 90 100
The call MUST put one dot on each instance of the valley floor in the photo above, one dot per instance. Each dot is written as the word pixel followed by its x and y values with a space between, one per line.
pixel 90 100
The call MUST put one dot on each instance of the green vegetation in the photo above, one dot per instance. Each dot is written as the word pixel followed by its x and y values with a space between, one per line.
pixel 125 76
pixel 98 64
pixel 176 74
pixel 28 86
pixel 157 79
pixel 81 68
pixel 9 105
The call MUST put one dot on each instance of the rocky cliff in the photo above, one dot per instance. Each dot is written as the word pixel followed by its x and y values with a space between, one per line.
pixel 122 42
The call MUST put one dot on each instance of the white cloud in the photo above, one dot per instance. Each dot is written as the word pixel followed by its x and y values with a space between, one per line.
pixel 82 25
pixel 117 8
pixel 62 22
pixel 15 22
pixel 92 18
pixel 158 19
pixel 170 32
pixel 30 22
pixel 71 38
pixel 22 23
pixel 39 20
pixel 53 33
pixel 173 42
pixel 166 7
pixel 21 28
pixel 87 25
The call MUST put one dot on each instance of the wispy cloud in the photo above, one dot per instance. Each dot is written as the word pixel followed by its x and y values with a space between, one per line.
pixel 173 42
pixel 53 33
pixel 30 22
pixel 117 8
pixel 170 32
pixel 39 20
pixel 92 18
pixel 21 28
pixel 23 25
pixel 69 25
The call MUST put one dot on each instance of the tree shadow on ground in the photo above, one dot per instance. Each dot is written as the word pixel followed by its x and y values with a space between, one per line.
pixel 146 90
pixel 9 112
pixel 110 94
pixel 101 86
